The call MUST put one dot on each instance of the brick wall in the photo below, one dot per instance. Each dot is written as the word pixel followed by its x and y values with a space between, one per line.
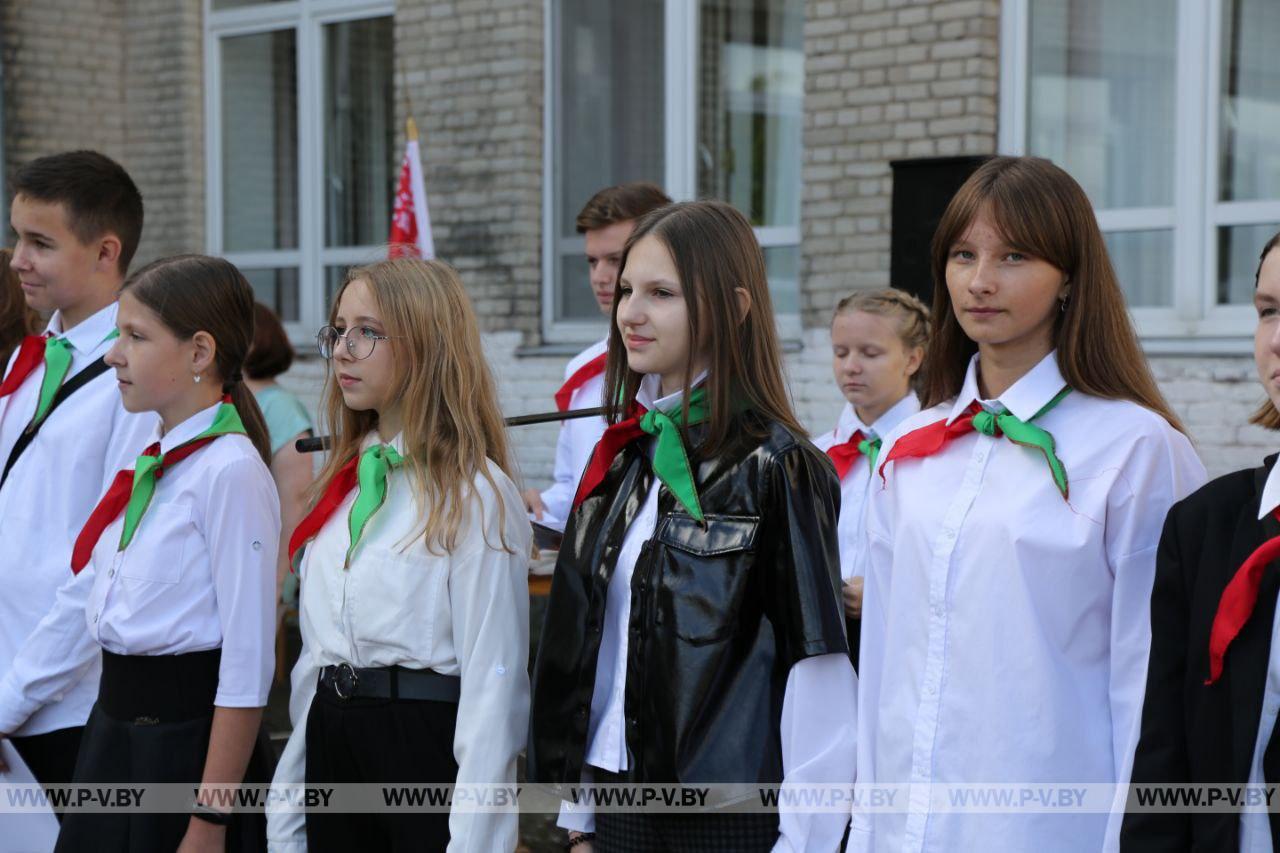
pixel 471 70
pixel 884 80
pixel 121 76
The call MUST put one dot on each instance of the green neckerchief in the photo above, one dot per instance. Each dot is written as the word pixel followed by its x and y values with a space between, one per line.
pixel 670 460
pixel 1027 434
pixel 375 464
pixel 57 363
pixel 225 421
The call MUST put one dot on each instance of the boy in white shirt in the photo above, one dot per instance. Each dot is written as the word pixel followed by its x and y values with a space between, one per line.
pixel 63 435
pixel 606 221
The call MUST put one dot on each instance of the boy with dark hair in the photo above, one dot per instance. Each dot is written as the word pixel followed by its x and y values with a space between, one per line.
pixel 606 221
pixel 63 435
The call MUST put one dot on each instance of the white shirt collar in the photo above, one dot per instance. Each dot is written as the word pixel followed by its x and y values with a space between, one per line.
pixel 90 332
pixel 372 437
pixel 849 422
pixel 1270 492
pixel 185 431
pixel 1024 399
pixel 651 386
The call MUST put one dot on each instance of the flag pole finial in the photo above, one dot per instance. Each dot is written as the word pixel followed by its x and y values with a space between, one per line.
pixel 411 130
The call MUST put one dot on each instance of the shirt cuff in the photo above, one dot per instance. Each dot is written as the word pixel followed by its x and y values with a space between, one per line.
pixel 576 817
pixel 15 709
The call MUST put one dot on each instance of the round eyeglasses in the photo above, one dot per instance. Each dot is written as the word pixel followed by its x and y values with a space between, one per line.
pixel 360 341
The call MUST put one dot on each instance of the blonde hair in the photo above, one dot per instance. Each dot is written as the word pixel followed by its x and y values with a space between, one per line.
pixel 912 316
pixel 452 423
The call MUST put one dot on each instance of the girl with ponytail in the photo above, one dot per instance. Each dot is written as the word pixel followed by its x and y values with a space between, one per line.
pixel 182 550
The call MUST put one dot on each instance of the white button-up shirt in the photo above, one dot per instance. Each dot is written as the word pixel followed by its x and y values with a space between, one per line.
pixel 854 485
pixel 49 678
pixel 464 612
pixel 1255 826
pixel 1005 630
pixel 578 438
pixel 819 720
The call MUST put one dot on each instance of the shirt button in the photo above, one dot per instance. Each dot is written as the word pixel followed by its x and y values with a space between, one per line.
pixel 501 670
pixel 937 610
pixel 930 689
pixel 111 573
pixel 95 618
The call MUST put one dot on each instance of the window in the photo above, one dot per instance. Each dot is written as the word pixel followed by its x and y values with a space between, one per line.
pixel 703 97
pixel 300 145
pixel 1163 110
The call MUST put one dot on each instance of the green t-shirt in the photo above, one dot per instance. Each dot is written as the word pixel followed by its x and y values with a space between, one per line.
pixel 286 417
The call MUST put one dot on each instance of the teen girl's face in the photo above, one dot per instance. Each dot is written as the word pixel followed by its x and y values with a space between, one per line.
pixel 1266 338
pixel 367 383
pixel 1005 299
pixel 872 366
pixel 155 369
pixel 652 315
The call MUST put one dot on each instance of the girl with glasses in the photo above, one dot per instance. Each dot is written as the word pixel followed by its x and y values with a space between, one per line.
pixel 414 586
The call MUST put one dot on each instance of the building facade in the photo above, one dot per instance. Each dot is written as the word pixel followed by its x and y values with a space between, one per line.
pixel 270 131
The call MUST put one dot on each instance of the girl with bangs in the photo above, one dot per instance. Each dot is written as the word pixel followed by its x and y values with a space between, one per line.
pixel 694 632
pixel 1012 535
pixel 414 596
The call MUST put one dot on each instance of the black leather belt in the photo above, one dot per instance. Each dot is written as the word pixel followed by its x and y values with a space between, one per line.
pixel 389 682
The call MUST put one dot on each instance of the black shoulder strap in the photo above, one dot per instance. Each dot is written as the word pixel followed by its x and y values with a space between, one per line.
pixel 75 383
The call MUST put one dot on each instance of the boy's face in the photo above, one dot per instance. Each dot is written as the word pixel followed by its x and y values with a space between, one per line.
pixel 57 271
pixel 604 256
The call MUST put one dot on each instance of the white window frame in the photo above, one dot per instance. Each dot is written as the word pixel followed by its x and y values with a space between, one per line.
pixel 1195 324
pixel 680 180
pixel 308 19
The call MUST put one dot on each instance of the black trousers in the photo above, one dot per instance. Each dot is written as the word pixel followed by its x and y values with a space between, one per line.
pixel 630 832
pixel 151 723
pixel 379 740
pixel 51 756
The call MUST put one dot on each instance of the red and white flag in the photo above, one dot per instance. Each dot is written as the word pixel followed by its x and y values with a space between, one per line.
pixel 410 222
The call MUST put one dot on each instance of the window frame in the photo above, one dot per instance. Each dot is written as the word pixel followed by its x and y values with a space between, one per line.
pixel 307 18
pixel 680 179
pixel 1194 324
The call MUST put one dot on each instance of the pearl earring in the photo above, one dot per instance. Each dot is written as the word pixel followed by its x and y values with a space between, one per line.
pixel 197 378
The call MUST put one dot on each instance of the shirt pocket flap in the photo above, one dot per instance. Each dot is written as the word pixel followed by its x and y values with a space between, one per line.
pixel 721 534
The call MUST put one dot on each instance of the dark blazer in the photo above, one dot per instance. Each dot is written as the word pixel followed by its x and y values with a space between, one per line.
pixel 719 611
pixel 1191 732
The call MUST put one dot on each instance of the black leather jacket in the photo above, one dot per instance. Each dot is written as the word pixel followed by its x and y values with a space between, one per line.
pixel 719 614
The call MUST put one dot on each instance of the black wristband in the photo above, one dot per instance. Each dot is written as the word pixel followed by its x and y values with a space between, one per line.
pixel 574 842
pixel 209 814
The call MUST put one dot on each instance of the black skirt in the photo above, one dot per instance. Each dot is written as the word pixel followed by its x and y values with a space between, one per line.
pixel 151 723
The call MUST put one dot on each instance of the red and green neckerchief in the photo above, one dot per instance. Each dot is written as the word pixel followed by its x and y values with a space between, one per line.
pixel 843 455
pixel 55 354
pixel 670 459
pixel 368 471
pixel 931 439
pixel 131 490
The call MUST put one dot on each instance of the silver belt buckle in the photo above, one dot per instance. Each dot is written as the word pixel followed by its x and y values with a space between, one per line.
pixel 345 681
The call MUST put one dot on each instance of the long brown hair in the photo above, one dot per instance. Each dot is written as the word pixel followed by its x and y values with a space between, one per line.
pixel 197 293
pixel 17 320
pixel 452 422
pixel 715 252
pixel 1040 209
pixel 1266 416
